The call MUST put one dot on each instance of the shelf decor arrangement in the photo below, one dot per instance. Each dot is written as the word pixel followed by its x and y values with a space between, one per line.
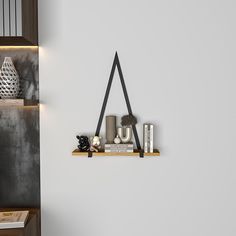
pixel 118 139
pixel 10 86
pixel 9 79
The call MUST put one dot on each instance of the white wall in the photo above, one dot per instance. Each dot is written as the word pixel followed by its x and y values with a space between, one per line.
pixel 178 59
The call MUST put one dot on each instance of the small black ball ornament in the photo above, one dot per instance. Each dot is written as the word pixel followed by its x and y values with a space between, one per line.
pixel 128 120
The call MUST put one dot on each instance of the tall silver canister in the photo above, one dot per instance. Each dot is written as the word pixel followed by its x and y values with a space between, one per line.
pixel 110 129
pixel 148 137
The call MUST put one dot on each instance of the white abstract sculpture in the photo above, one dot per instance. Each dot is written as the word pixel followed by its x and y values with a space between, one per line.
pixel 117 140
pixel 125 138
pixel 95 143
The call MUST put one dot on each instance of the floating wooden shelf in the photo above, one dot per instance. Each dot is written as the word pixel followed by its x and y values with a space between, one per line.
pixel 136 153
pixel 17 102
pixel 76 152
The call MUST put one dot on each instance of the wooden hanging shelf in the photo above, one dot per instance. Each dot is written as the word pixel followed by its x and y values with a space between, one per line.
pixel 136 153
pixel 17 102
pixel 77 152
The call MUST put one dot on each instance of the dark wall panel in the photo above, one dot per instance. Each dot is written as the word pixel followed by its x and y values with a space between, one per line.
pixel 19 138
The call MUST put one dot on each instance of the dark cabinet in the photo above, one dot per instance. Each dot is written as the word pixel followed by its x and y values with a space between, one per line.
pixel 18 22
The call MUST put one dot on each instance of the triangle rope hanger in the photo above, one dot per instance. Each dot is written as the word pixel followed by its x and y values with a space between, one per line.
pixel 116 64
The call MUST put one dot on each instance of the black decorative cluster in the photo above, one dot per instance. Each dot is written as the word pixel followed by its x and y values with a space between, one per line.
pixel 83 143
pixel 128 120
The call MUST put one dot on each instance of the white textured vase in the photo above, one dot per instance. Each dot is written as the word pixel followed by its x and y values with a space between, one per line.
pixel 9 80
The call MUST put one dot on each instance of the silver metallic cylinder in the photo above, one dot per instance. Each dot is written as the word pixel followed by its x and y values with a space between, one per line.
pixel 125 134
pixel 110 128
pixel 148 137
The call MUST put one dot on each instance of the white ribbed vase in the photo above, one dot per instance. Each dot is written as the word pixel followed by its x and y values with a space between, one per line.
pixel 9 80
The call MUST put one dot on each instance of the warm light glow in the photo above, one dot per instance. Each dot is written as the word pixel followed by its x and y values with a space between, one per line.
pixel 30 107
pixel 41 106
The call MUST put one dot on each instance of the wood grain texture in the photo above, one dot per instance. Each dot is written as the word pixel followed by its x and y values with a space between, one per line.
pixel 30 20
pixel 76 152
pixel 12 102
pixel 15 41
pixel 17 102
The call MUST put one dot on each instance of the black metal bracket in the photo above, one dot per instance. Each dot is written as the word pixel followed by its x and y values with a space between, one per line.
pixel 141 153
pixel 90 154
pixel 116 63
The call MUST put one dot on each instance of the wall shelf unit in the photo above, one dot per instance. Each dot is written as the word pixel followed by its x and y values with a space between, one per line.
pixel 136 153
pixel 18 103
pixel 94 145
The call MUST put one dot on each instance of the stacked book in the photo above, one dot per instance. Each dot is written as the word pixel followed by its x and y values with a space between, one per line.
pixel 13 219
pixel 124 147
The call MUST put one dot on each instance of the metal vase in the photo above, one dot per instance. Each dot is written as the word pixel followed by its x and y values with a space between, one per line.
pixel 125 134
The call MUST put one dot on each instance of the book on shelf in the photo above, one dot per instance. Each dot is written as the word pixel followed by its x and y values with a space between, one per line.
pixel 120 145
pixel 13 219
pixel 129 147
pixel 116 150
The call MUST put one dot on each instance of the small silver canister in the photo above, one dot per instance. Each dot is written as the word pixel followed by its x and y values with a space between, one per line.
pixel 148 137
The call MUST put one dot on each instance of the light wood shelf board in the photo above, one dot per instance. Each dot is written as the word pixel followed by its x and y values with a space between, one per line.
pixel 76 152
pixel 17 102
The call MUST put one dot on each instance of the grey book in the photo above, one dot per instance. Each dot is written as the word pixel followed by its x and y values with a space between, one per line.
pixel 119 150
pixel 127 147
pixel 121 145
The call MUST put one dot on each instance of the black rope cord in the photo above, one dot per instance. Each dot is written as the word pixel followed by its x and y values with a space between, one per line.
pixel 116 63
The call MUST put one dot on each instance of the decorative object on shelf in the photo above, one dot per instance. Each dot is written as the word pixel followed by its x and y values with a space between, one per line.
pixel 110 128
pixel 9 79
pixel 84 145
pixel 119 147
pixel 125 134
pixel 135 153
pixel 128 120
pixel 95 144
pixel 148 137
pixel 117 139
